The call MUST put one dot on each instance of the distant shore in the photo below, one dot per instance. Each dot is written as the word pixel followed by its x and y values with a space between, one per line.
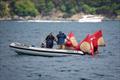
pixel 59 17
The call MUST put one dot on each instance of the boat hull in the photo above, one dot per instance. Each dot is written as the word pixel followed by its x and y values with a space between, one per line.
pixel 37 51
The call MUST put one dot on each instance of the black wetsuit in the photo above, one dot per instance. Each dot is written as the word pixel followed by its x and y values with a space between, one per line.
pixel 49 41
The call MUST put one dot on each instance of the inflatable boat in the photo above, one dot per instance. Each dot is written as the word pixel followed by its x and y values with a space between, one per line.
pixel 38 51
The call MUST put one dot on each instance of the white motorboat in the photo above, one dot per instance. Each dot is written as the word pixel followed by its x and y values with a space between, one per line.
pixel 91 18
pixel 38 51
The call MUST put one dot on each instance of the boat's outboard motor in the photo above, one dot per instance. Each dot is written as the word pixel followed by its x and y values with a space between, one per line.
pixel 42 45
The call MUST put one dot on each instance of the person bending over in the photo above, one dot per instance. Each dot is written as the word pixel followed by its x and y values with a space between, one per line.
pixel 61 40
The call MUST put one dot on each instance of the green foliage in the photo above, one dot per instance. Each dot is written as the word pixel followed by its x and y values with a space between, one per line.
pixel 63 8
pixel 117 12
pixel 89 9
pixel 25 8
pixel 44 7
pixel 49 6
pixel 4 9
pixel 116 8
pixel 69 8
pixel 73 10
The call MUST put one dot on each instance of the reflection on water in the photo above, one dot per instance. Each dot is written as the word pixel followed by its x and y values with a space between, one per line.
pixel 104 66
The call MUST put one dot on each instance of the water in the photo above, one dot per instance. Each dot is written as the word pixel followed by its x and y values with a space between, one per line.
pixel 103 66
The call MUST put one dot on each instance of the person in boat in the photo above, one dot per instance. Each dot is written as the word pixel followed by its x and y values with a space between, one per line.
pixel 61 40
pixel 50 40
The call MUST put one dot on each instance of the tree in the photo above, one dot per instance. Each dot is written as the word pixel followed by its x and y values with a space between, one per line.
pixel 88 9
pixel 4 9
pixel 45 6
pixel 25 8
pixel 70 7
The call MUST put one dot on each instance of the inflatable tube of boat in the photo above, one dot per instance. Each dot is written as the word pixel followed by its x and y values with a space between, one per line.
pixel 71 40
pixel 99 38
pixel 86 45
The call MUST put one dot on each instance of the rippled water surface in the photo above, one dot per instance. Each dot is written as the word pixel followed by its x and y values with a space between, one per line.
pixel 103 66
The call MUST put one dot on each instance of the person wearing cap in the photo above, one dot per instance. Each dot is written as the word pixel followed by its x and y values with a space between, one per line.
pixel 61 40
pixel 50 40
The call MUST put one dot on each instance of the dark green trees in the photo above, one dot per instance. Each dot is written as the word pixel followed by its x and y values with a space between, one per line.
pixel 44 7
pixel 4 9
pixel 24 8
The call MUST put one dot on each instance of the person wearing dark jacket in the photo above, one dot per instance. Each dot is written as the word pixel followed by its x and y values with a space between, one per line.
pixel 61 40
pixel 50 40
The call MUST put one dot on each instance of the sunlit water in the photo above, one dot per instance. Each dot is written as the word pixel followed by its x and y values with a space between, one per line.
pixel 103 66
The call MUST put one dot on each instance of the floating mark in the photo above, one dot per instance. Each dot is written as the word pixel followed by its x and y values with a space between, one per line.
pixel 76 70
pixel 65 70
pixel 99 74
pixel 84 79
pixel 103 75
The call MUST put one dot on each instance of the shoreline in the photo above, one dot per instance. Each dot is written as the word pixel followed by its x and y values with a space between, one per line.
pixel 76 18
